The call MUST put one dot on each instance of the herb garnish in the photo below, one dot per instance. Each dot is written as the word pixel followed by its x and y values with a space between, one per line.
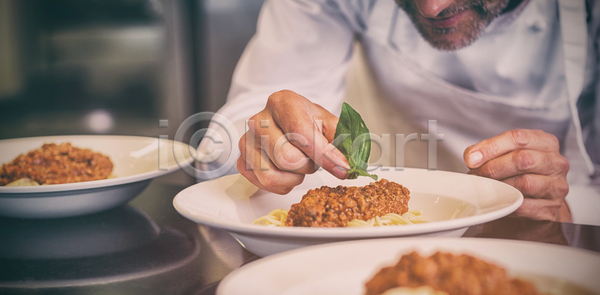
pixel 353 139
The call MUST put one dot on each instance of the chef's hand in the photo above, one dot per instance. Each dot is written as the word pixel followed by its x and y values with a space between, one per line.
pixel 530 161
pixel 290 138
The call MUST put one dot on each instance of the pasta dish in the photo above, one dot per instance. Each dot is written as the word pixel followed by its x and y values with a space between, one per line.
pixel 377 204
pixel 55 164
pixel 446 274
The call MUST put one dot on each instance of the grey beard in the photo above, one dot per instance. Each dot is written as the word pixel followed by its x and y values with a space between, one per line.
pixel 486 9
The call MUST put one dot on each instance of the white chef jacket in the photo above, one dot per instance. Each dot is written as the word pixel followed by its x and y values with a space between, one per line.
pixel 535 67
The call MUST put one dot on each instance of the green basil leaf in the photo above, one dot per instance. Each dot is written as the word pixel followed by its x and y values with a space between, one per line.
pixel 353 139
pixel 361 172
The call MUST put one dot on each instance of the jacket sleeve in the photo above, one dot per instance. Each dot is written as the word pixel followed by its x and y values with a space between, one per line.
pixel 300 45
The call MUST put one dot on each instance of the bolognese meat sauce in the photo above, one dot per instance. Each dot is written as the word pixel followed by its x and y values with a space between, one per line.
pixel 336 206
pixel 54 164
pixel 453 274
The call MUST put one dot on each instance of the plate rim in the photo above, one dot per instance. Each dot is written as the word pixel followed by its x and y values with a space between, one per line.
pixel 93 184
pixel 357 232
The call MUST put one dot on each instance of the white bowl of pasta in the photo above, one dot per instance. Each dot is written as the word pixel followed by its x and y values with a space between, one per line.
pixel 448 202
pixel 345 268
pixel 134 162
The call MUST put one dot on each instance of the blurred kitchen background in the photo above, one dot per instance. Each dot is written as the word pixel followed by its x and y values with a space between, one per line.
pixel 116 66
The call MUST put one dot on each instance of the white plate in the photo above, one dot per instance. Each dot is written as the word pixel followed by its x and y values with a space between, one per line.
pixel 344 268
pixel 232 203
pixel 136 160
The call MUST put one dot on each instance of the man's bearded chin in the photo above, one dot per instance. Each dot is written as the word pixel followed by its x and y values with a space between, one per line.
pixel 468 29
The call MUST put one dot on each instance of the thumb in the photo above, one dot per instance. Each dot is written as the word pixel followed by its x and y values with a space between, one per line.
pixel 327 121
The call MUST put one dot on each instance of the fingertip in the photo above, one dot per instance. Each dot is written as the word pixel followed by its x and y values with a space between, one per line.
pixel 339 172
pixel 281 190
pixel 474 159
pixel 336 157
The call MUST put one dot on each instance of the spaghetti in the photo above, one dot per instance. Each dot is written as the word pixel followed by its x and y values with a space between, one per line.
pixel 278 217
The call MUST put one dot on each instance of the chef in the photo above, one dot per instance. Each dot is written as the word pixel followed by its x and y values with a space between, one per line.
pixel 508 87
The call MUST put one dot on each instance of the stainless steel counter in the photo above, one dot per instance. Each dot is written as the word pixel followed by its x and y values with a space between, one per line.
pixel 146 247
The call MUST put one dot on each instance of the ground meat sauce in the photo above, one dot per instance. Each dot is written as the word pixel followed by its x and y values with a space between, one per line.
pixel 453 274
pixel 54 164
pixel 336 206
